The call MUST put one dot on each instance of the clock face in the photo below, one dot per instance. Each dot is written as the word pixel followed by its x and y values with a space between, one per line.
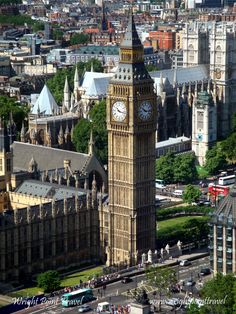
pixel 145 111
pixel 119 111
pixel 199 137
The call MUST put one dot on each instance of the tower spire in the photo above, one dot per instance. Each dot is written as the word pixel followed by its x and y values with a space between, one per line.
pixel 76 80
pixel 131 38
pixel 22 133
pixel 104 21
pixel 91 144
pixel 66 95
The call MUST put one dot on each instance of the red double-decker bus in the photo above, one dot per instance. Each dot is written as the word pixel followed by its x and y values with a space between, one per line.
pixel 218 190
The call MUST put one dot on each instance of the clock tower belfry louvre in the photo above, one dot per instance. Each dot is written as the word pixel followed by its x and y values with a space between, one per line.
pixel 131 124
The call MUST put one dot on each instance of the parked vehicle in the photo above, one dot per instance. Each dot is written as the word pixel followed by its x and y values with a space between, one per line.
pixel 160 184
pixel 190 283
pixel 205 271
pixel 185 262
pixel 226 180
pixel 84 308
pixel 174 289
pixel 178 193
pixel 104 307
pixel 126 280
pixel 173 302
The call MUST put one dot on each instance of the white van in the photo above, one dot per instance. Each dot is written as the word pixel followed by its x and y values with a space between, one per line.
pixel 160 184
pixel 178 193
pixel 103 307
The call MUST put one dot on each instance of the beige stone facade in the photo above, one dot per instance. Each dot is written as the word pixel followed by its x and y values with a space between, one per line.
pixel 131 123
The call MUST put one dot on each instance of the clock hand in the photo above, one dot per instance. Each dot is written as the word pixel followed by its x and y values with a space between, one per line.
pixel 120 111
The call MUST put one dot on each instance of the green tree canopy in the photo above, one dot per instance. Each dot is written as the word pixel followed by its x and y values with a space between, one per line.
pixel 57 34
pixel 16 19
pixel 161 278
pixel 180 168
pixel 193 308
pixel 215 159
pixel 191 194
pixel 164 168
pixel 99 127
pixel 221 288
pixel 184 168
pixel 228 146
pixel 151 67
pixel 79 38
pixel 80 137
pixel 97 124
pixel 39 26
pixel 9 105
pixel 49 281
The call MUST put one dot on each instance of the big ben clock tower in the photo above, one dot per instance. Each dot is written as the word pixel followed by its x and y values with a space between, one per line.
pixel 131 124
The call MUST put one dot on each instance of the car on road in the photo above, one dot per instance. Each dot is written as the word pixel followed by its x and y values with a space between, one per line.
pixel 126 280
pixel 190 282
pixel 178 193
pixel 207 203
pixel 205 271
pixel 84 308
pixel 185 262
pixel 173 302
pixel 174 289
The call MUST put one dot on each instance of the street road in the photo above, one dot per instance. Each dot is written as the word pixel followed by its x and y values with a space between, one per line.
pixel 116 293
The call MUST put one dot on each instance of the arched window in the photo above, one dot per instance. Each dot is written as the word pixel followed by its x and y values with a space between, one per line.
pixel 191 53
pixel 218 57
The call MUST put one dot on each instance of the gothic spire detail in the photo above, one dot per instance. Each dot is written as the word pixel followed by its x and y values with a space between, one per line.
pixel 202 88
pixel 161 82
pixel 91 144
pixel 209 87
pixel 195 90
pixel 66 86
pixel 104 21
pixel 66 103
pixel 183 89
pixel 174 78
pixel 72 101
pixel 22 133
pixel 76 79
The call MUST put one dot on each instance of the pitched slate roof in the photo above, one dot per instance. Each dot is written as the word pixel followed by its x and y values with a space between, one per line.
pixel 46 157
pixel 45 103
pixel 184 75
pixel 98 87
pixel 50 190
pixel 172 141
pixel 95 83
pixel 96 50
